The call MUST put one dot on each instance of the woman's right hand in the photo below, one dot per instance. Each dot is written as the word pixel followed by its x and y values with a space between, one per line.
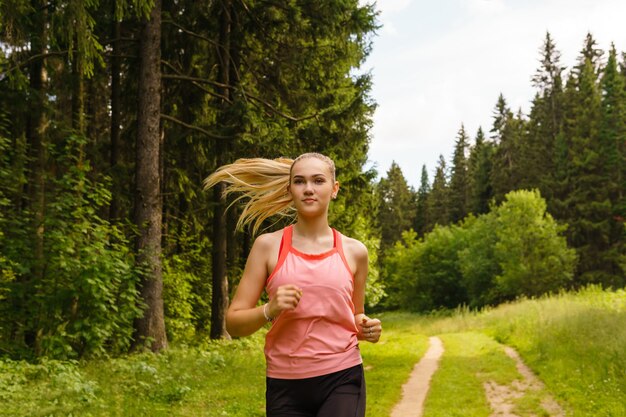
pixel 287 297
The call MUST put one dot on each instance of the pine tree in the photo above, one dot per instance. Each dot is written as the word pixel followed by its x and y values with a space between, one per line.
pixel 396 212
pixel 479 173
pixel 537 158
pixel 586 199
pixel 421 215
pixel 612 144
pixel 438 202
pixel 459 181
pixel 507 133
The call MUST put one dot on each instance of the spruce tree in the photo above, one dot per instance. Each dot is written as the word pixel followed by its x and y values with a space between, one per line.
pixel 438 202
pixel 421 214
pixel 507 132
pixel 479 174
pixel 537 156
pixel 396 212
pixel 459 182
pixel 612 138
pixel 586 198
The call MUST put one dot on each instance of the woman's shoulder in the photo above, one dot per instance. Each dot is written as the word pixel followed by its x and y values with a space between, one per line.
pixel 268 240
pixel 354 246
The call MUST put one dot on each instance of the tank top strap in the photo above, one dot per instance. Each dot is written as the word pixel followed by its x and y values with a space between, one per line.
pixel 283 251
pixel 338 244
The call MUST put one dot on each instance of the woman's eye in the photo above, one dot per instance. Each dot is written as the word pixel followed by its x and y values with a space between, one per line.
pixel 319 181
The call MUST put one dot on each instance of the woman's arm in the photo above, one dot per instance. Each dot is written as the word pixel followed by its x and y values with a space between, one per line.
pixel 244 317
pixel 357 256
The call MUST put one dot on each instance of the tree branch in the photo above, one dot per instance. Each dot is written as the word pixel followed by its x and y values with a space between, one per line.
pixel 31 59
pixel 278 112
pixel 191 33
pixel 192 127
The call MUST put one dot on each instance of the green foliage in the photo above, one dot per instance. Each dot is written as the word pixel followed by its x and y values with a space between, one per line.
pixel 515 250
pixel 205 380
pixel 459 181
pixel 421 204
pixel 479 173
pixel 86 301
pixel 438 201
pixel 375 289
pixel 533 257
pixel 396 211
pixel 423 275
pixel 477 261
pixel 179 298
pixel 7 268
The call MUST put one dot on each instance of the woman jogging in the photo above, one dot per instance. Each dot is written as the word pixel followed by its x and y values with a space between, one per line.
pixel 315 280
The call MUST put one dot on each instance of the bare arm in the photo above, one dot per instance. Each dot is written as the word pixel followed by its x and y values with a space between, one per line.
pixel 356 254
pixel 244 317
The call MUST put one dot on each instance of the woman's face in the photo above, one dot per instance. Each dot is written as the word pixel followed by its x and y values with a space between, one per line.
pixel 312 186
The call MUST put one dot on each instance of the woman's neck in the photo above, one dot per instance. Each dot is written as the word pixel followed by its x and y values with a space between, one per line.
pixel 312 228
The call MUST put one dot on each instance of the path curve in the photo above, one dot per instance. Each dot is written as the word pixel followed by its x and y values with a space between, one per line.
pixel 415 390
pixel 501 397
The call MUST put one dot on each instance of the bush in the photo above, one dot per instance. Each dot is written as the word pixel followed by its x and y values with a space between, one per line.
pixel 515 250
pixel 531 253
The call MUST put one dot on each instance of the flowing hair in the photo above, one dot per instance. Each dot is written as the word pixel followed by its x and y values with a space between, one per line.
pixel 263 183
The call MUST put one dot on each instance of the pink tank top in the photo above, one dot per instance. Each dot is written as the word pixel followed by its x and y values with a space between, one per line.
pixel 319 336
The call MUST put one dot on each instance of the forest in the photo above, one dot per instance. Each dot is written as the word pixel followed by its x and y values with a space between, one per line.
pixel 113 112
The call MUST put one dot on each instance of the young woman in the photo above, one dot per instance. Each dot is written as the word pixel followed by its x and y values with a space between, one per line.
pixel 315 280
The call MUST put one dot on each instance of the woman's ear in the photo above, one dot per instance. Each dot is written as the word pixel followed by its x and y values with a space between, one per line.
pixel 335 190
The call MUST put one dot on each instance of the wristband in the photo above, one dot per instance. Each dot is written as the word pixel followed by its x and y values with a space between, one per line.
pixel 267 317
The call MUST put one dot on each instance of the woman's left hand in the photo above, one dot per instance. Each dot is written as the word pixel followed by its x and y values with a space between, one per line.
pixel 369 329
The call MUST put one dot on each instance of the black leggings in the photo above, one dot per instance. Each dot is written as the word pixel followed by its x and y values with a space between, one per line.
pixel 340 394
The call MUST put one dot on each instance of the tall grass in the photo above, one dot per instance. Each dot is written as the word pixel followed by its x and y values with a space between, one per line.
pixel 575 342
pixel 214 379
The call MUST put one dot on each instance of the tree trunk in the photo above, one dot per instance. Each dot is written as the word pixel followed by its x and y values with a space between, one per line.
pixel 219 296
pixel 78 95
pixel 148 199
pixel 114 207
pixel 36 136
pixel 219 299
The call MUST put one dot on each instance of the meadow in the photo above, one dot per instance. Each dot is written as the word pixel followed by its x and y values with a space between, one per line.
pixel 574 342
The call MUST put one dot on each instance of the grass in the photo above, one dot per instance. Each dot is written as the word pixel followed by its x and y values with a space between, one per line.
pixel 575 343
pixel 389 362
pixel 456 388
pixel 216 379
pixel 471 359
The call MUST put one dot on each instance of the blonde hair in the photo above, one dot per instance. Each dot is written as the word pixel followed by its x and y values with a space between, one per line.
pixel 263 183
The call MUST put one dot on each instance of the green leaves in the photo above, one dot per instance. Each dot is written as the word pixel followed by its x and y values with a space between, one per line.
pixel 515 250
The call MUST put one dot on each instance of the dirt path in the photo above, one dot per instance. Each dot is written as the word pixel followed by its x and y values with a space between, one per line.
pixel 501 397
pixel 415 390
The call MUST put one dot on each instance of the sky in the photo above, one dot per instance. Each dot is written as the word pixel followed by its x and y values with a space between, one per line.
pixel 438 64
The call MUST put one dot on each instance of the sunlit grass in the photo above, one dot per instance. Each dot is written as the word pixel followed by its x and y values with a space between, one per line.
pixel 470 360
pixel 575 343
pixel 389 363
